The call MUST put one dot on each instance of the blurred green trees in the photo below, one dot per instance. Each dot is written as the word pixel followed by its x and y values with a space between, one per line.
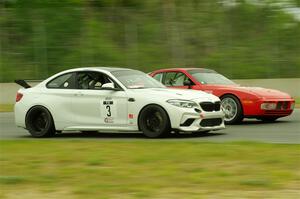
pixel 241 39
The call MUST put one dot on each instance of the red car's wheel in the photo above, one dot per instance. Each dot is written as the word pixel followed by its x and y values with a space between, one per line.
pixel 232 108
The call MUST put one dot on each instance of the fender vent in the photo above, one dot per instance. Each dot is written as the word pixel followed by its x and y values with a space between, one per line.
pixel 188 122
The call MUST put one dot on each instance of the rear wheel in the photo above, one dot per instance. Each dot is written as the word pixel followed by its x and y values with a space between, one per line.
pixel 154 122
pixel 232 108
pixel 39 122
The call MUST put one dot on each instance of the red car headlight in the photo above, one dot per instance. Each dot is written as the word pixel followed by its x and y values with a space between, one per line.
pixel 268 106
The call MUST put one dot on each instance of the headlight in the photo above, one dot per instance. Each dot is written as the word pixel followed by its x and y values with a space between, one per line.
pixel 183 103
pixel 268 106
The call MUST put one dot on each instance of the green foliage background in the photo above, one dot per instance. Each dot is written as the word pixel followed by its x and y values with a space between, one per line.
pixel 39 38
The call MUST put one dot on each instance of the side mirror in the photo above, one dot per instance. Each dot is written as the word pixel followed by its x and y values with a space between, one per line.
pixel 109 86
pixel 188 83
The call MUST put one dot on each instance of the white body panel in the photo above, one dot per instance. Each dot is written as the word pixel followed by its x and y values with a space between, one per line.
pixel 75 109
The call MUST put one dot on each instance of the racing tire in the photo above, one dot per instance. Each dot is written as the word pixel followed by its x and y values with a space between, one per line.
pixel 39 122
pixel 232 108
pixel 154 122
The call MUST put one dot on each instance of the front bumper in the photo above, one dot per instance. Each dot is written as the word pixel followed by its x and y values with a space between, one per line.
pixel 204 121
pixel 189 119
pixel 283 108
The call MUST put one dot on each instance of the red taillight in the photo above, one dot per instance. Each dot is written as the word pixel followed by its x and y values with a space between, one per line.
pixel 19 97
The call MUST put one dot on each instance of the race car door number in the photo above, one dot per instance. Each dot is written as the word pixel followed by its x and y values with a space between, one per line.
pixel 108 110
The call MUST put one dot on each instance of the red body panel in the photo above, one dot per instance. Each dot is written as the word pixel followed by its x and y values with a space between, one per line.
pixel 251 98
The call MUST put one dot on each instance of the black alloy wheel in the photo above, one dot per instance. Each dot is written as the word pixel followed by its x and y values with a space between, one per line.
pixel 39 122
pixel 154 122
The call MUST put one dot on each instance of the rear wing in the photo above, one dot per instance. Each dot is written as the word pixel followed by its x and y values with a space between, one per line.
pixel 22 83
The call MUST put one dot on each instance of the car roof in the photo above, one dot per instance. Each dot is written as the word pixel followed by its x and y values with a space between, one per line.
pixel 109 69
pixel 186 69
pixel 100 69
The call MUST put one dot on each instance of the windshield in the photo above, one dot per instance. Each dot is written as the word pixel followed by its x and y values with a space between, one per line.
pixel 210 77
pixel 134 79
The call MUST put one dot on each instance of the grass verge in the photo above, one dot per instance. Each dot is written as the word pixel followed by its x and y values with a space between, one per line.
pixel 297 105
pixel 6 107
pixel 147 169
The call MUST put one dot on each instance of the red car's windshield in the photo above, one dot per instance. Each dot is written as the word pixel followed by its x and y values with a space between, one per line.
pixel 210 77
pixel 134 79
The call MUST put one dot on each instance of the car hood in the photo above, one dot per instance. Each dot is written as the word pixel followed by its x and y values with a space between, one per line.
pixel 168 93
pixel 258 91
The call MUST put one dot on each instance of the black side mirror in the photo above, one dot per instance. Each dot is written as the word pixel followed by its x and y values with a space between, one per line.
pixel 188 83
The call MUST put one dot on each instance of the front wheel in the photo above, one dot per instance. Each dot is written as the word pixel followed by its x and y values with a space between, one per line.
pixel 154 122
pixel 232 109
pixel 39 122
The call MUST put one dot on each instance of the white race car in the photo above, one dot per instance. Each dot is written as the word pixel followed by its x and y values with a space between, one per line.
pixel 113 99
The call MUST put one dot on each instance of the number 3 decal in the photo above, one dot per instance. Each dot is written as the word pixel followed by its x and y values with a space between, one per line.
pixel 108 111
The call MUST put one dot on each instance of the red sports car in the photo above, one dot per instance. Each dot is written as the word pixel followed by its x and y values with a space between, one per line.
pixel 237 102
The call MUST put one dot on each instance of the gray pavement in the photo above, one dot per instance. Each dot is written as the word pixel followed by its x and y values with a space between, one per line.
pixel 285 130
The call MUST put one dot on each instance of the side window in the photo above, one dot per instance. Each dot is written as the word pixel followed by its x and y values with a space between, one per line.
pixel 169 78
pixel 91 80
pixel 158 76
pixel 66 81
pixel 175 79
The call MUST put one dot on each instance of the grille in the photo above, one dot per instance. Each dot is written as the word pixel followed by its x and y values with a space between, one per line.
pixel 209 106
pixel 211 122
pixel 217 106
pixel 282 105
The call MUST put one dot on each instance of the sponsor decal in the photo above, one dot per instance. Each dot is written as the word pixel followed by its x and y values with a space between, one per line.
pixel 131 120
pixel 109 120
pixel 108 102
pixel 107 108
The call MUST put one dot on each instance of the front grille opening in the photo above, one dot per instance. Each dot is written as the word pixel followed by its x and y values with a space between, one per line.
pixel 217 106
pixel 197 110
pixel 210 106
pixel 188 122
pixel 282 106
pixel 211 122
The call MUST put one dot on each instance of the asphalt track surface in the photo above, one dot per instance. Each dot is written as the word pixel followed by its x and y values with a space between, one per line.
pixel 284 130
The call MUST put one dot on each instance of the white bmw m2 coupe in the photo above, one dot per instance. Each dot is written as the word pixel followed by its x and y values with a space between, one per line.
pixel 113 99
